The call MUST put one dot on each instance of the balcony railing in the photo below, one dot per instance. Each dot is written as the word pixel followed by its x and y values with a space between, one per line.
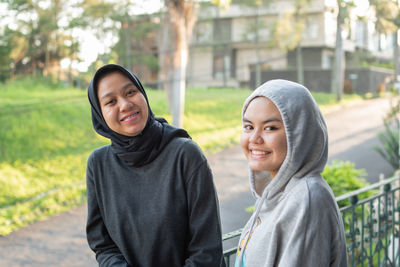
pixel 371 216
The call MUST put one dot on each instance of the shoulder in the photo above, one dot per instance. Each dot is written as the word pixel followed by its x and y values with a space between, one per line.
pixel 186 156
pixel 319 191
pixel 314 194
pixel 99 154
pixel 186 148
pixel 322 206
pixel 313 187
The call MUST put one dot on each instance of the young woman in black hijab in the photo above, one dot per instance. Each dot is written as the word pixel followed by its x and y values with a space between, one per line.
pixel 151 198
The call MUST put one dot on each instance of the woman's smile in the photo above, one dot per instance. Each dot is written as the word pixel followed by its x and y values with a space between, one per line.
pixel 258 154
pixel 131 117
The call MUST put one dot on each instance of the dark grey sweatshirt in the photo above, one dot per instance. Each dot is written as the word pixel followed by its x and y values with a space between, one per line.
pixel 162 214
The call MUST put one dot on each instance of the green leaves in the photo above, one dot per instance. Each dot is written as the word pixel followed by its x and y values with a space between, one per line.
pixel 343 177
pixel 389 138
pixel 387 15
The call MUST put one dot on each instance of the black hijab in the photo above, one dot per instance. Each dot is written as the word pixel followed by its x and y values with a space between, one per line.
pixel 138 150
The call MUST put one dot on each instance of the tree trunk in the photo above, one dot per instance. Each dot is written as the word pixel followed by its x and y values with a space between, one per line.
pixel 165 75
pixel 396 55
pixel 299 62
pixel 182 17
pixel 128 56
pixel 46 61
pixel 257 49
pixel 178 89
pixel 338 70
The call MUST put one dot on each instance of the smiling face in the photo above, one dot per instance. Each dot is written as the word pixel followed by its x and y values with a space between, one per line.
pixel 123 106
pixel 263 137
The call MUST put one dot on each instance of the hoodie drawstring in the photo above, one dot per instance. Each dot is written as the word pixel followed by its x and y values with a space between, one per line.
pixel 257 209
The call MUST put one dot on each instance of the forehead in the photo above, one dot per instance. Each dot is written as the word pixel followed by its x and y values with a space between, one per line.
pixel 262 106
pixel 112 80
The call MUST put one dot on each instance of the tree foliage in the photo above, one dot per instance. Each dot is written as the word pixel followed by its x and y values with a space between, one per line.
pixel 289 27
pixel 387 15
pixel 389 138
pixel 388 21
pixel 38 43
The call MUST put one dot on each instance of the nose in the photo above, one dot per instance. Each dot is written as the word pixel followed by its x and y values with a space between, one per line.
pixel 125 105
pixel 256 137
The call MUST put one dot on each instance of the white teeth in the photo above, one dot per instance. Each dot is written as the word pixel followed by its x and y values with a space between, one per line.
pixel 255 152
pixel 127 118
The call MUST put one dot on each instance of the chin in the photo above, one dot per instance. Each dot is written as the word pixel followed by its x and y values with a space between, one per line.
pixel 257 167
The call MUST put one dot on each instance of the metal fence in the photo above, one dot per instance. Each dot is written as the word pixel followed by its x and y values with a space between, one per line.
pixel 371 216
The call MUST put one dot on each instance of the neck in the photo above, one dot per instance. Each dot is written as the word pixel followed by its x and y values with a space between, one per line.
pixel 261 180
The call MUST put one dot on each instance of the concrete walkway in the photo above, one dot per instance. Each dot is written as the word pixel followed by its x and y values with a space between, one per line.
pixel 61 241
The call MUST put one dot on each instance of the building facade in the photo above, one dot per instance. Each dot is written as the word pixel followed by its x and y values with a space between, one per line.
pixel 227 45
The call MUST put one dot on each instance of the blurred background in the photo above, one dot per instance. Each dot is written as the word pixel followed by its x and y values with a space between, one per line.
pixel 237 43
pixel 219 50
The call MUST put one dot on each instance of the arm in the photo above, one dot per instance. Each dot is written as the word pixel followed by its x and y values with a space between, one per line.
pixel 107 253
pixel 205 239
pixel 318 239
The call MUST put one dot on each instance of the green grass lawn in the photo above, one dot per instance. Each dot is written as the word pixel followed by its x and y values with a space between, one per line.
pixel 46 136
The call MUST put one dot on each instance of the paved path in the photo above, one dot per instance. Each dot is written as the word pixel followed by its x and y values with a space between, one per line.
pixel 60 240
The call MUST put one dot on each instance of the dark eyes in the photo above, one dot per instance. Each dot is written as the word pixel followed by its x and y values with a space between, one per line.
pixel 270 128
pixel 131 92
pixel 112 101
pixel 247 127
pixel 267 128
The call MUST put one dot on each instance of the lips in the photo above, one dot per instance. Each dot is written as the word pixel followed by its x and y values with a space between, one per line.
pixel 130 117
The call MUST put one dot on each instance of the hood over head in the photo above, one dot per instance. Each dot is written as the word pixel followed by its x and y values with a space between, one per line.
pixel 306 133
pixel 138 150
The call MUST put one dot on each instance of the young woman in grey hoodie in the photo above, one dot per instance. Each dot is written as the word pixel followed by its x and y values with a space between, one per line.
pixel 296 220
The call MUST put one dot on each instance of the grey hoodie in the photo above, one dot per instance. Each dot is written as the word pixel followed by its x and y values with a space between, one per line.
pixel 296 221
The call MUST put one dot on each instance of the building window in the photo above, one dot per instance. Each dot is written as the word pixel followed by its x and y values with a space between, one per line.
pixel 312 28
pixel 202 32
pixel 224 63
pixel 222 30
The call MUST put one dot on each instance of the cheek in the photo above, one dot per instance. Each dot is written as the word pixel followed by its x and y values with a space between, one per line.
pixel 281 145
pixel 145 109
pixel 107 115
pixel 244 141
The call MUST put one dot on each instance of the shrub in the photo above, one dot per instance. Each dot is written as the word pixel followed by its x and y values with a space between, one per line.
pixel 389 138
pixel 343 177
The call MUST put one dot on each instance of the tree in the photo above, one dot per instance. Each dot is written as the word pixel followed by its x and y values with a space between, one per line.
pixel 343 11
pixel 387 13
pixel 289 30
pixel 39 38
pixel 136 43
pixel 181 17
pixel 7 42
pixel 254 28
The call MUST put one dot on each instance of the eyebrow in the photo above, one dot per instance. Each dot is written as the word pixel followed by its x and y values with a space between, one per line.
pixel 127 85
pixel 266 121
